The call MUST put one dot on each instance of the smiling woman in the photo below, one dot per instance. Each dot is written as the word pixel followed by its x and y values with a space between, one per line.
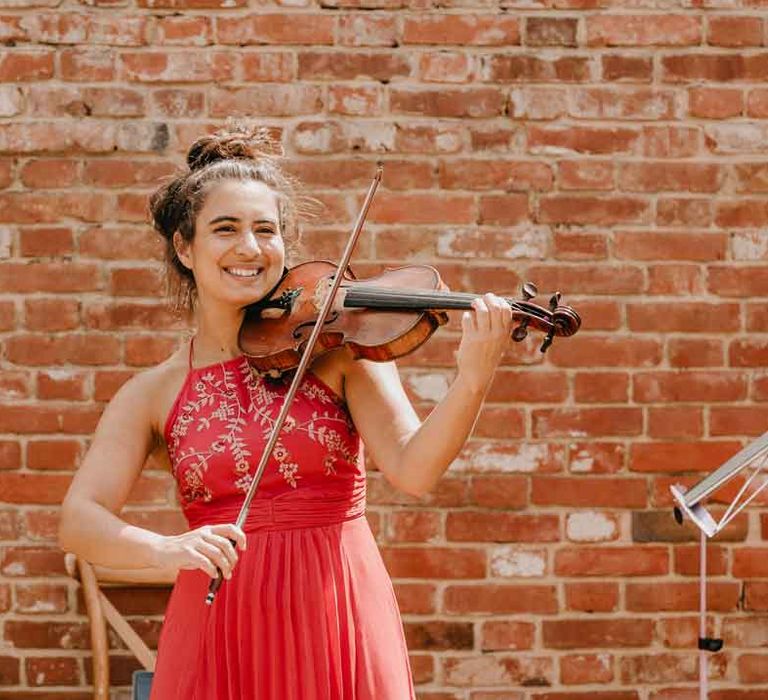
pixel 307 610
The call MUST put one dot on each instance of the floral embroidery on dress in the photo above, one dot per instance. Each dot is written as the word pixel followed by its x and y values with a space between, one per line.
pixel 215 404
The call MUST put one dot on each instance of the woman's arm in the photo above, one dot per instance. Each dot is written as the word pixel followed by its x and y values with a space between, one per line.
pixel 89 524
pixel 414 455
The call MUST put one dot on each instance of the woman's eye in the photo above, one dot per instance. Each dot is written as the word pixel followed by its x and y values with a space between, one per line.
pixel 224 229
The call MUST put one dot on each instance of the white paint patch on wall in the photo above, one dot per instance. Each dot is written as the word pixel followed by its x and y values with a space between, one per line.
pixel 583 462
pixel 590 526
pixel 508 562
pixel 500 457
pixel 750 245
pixel 429 387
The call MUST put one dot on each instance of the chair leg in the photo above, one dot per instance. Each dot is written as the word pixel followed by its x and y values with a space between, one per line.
pixel 99 642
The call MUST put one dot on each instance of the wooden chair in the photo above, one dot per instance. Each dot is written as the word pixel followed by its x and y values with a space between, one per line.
pixel 101 611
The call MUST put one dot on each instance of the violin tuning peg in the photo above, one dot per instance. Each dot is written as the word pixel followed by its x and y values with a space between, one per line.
pixel 519 334
pixel 554 301
pixel 548 341
pixel 529 291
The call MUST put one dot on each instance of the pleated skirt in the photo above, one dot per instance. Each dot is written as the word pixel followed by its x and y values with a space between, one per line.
pixel 309 614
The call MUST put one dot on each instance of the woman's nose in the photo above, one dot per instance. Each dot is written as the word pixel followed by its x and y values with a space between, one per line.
pixel 248 243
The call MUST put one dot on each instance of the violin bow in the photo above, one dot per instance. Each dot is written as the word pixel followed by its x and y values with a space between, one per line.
pixel 300 370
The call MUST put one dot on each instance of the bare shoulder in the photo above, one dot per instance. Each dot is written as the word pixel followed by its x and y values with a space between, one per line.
pixel 152 392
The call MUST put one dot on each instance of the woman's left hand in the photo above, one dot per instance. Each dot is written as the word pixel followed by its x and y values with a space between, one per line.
pixel 485 336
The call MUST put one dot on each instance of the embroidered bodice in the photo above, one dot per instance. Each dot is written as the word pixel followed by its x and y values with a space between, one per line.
pixel 220 423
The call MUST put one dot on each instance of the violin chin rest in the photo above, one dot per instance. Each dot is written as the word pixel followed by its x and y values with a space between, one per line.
pixel 273 313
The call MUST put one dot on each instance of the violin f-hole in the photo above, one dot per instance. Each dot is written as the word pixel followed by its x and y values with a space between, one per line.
pixel 298 332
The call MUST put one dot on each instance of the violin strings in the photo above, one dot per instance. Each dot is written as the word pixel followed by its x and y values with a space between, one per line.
pixel 372 296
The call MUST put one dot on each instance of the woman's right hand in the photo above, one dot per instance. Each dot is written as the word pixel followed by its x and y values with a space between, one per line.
pixel 209 548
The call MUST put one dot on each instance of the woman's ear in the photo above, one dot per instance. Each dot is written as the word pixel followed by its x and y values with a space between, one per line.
pixel 182 250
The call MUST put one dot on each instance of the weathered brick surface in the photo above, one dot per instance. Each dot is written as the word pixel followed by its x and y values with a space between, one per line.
pixel 615 151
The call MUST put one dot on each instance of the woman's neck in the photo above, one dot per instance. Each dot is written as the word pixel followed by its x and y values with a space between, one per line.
pixel 217 333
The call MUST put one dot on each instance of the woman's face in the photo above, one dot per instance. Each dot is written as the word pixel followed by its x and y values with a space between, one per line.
pixel 237 254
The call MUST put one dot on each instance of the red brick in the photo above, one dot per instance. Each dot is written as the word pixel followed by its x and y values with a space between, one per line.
pixel 601 387
pixel 680 456
pixel 590 633
pixel 530 68
pixel 757 103
pixel 364 29
pixel 608 351
pixel 643 30
pixel 595 491
pixel 507 635
pixel 695 352
pixel 580 246
pixel 732 31
pixel 53 454
pixel 687 560
pixel 441 102
pixel 586 175
pixel 409 562
pixel 612 561
pixel 41 598
pixel 591 597
pixel 715 103
pixel 700 317
pixel 550 31
pixel 414 526
pixel 507 175
pixel 596 457
pixel 659 387
pixel 658 668
pixel 578 669
pixel 500 599
pixel 689 211
pixel 671 141
pixel 676 280
pixel 415 598
pixel 753 668
pixel 756 596
pixel 750 562
pixel 498 491
pixel 9 670
pixel 722 596
pixel 595 140
pixel 483 526
pixel 461 29
pixel 620 68
pixel 578 422
pixel 675 422
pixel 666 246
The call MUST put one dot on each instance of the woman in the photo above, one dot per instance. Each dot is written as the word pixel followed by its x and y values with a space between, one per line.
pixel 306 610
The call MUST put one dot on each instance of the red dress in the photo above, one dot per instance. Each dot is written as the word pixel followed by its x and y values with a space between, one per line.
pixel 310 612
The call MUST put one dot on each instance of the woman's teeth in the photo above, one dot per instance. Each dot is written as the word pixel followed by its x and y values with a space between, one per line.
pixel 243 271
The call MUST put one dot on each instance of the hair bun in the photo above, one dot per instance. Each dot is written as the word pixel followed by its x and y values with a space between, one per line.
pixel 236 140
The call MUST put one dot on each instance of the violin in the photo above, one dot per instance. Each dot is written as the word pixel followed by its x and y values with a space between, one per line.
pixel 313 309
pixel 379 318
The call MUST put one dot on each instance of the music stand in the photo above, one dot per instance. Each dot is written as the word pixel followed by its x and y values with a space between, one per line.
pixel 690 502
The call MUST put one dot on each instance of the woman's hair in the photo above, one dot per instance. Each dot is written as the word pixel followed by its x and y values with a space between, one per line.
pixel 236 152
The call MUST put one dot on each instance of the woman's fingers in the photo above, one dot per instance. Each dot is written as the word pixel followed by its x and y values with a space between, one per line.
pixel 231 532
pixel 217 556
pixel 224 545
pixel 202 562
pixel 482 320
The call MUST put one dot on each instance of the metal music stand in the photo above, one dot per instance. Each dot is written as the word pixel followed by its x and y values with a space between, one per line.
pixel 690 502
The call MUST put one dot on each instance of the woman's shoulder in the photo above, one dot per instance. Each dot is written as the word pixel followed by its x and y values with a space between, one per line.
pixel 149 389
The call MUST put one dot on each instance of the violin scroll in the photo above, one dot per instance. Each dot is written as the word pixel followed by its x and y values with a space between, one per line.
pixel 560 320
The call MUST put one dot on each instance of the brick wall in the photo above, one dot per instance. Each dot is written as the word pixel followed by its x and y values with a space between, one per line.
pixel 615 151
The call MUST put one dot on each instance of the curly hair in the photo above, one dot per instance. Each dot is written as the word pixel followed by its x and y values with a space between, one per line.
pixel 235 152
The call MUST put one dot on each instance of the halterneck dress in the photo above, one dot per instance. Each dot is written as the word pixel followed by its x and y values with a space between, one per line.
pixel 310 612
